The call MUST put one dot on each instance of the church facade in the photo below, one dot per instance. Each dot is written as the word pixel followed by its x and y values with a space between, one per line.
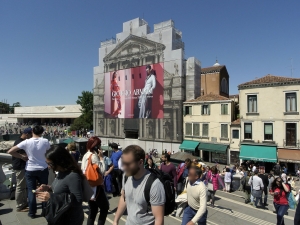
pixel 140 85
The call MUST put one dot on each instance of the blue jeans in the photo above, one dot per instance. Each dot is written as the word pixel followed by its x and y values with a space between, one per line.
pixel 280 211
pixel 32 177
pixel 188 215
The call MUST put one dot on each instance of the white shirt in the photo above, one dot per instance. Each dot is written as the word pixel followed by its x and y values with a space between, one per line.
pixel 150 84
pixel 35 149
pixel 256 183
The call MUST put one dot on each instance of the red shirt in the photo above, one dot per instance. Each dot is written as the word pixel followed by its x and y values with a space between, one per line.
pixel 281 199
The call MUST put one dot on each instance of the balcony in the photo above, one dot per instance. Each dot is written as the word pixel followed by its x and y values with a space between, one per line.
pixel 291 143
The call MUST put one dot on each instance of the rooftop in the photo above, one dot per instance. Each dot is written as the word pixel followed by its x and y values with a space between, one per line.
pixel 269 80
pixel 236 122
pixel 209 97
pixel 212 69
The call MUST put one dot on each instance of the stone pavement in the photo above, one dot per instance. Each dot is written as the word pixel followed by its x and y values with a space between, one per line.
pixel 230 209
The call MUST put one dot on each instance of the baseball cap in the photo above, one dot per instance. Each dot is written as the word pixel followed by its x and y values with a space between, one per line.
pixel 27 130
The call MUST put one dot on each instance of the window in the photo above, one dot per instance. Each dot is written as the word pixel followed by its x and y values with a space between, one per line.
pixel 224 109
pixel 188 129
pixel 252 103
pixel 205 110
pixel 205 130
pixel 224 86
pixel 188 110
pixel 196 129
pixel 192 129
pixel 224 130
pixel 268 131
pixel 291 134
pixel 291 103
pixel 235 134
pixel 248 131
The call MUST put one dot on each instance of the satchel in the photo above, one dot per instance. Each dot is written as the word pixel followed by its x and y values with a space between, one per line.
pixel 93 174
pixel 210 186
pixel 87 191
pixel 56 207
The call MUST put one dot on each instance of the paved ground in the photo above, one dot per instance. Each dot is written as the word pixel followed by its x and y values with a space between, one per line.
pixel 230 210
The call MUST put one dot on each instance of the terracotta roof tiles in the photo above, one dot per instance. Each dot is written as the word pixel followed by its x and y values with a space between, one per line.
pixel 236 122
pixel 209 97
pixel 269 79
pixel 212 69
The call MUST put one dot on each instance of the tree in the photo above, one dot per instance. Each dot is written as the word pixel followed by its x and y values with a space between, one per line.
pixel 12 107
pixel 86 101
pixel 86 119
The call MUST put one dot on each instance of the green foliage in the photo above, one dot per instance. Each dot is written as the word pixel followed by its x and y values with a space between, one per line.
pixel 86 119
pixel 12 107
pixel 86 101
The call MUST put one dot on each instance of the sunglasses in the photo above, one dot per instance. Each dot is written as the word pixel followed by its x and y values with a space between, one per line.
pixel 50 164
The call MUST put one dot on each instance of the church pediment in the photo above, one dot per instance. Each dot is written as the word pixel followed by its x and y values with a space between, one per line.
pixel 134 46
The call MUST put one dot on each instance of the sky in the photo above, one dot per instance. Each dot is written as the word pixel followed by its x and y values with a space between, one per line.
pixel 48 48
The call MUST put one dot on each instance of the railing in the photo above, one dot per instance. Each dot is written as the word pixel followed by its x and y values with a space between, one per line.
pixel 291 143
pixel 108 42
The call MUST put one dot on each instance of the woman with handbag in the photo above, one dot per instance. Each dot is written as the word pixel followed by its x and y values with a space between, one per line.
pixel 213 182
pixel 99 200
pixel 66 197
pixel 280 192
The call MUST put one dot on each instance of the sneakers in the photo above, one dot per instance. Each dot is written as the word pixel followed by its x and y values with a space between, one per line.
pixel 23 210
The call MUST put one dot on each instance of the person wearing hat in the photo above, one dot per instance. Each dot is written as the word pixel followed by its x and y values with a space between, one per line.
pixel 19 169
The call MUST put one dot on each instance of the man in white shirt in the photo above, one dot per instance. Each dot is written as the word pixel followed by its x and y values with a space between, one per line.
pixel 36 166
pixel 257 186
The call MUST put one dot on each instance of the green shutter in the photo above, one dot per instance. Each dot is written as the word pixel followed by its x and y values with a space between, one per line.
pixel 184 111
pixel 208 110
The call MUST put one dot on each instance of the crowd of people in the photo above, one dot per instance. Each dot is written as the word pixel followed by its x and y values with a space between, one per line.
pixel 146 189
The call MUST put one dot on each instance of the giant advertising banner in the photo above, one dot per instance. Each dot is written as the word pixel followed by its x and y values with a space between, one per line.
pixel 135 93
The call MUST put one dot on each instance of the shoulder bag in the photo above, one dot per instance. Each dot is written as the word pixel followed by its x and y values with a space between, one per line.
pixel 93 174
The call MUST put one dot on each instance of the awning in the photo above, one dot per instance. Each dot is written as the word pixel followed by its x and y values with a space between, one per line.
pixel 189 145
pixel 258 153
pixel 211 147
pixel 289 155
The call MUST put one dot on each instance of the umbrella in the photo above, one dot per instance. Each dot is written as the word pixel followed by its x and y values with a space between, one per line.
pixel 68 141
pixel 82 140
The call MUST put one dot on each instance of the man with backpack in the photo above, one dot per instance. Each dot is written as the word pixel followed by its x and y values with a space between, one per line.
pixel 144 201
pixel 196 211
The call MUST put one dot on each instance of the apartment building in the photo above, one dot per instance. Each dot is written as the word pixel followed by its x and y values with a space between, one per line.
pixel 269 112
pixel 207 121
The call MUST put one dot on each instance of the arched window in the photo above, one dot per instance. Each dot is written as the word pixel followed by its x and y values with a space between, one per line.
pixel 224 86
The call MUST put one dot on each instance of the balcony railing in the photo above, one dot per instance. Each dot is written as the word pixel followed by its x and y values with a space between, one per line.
pixel 291 143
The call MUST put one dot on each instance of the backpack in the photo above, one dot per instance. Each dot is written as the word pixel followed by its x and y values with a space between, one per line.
pixel 93 174
pixel 167 182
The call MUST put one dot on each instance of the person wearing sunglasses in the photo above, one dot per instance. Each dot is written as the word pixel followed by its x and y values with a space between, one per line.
pixel 280 192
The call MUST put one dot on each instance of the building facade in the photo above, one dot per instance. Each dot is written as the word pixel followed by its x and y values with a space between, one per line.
pixel 123 112
pixel 46 114
pixel 207 121
pixel 215 80
pixel 269 112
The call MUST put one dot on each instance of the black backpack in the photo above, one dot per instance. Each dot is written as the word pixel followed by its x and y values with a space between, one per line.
pixel 167 182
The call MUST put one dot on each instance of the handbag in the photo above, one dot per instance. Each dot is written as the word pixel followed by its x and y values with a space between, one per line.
pixel 87 191
pixel 56 207
pixel 92 173
pixel 210 186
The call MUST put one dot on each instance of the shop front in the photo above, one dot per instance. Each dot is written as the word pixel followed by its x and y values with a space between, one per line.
pixel 289 157
pixel 263 155
pixel 217 152
pixel 190 147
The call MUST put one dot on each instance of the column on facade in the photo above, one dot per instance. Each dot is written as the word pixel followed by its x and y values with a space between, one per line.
pixel 175 132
